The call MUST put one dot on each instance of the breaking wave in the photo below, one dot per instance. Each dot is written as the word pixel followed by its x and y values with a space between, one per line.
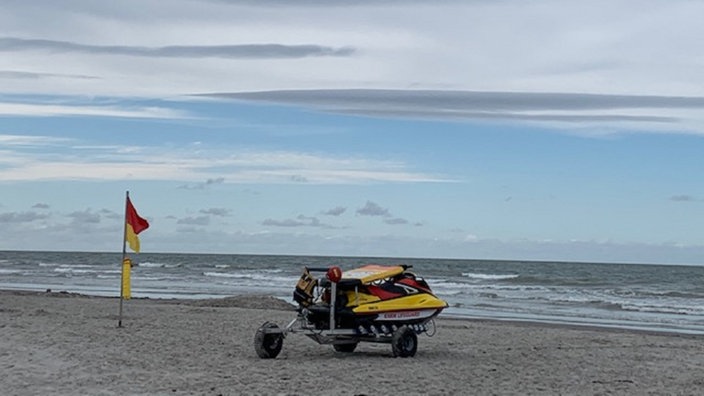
pixel 489 276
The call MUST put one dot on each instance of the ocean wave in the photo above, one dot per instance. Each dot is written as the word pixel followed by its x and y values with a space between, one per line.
pixel 489 276
pixel 269 270
pixel 149 264
pixel 628 294
pixel 258 277
pixel 227 275
pixel 662 309
pixel 73 270
pixel 450 288
pixel 670 294
pixel 605 303
pixel 445 293
pixel 676 294
pixel 472 288
pixel 149 278
pixel 69 270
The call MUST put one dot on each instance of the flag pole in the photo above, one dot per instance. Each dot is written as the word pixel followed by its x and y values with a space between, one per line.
pixel 122 265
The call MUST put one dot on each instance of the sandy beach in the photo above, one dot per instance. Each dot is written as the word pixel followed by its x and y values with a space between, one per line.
pixel 66 344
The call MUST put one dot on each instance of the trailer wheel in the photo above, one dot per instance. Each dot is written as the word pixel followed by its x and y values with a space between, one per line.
pixel 404 342
pixel 268 345
pixel 347 348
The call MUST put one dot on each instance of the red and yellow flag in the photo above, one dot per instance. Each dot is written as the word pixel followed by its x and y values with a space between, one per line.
pixel 135 225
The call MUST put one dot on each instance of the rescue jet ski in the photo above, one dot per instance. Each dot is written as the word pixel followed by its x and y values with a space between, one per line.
pixel 373 303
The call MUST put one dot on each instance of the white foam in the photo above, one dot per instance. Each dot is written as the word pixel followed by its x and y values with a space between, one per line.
pixel 489 276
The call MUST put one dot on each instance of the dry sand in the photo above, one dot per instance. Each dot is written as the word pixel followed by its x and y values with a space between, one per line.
pixel 64 344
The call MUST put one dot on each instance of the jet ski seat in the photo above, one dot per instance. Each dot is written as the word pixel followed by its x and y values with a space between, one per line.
pixel 343 285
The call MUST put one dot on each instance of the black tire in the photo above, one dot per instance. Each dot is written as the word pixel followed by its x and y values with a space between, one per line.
pixel 268 345
pixel 404 342
pixel 347 348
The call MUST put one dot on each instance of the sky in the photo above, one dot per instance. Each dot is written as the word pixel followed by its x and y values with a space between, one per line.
pixel 476 129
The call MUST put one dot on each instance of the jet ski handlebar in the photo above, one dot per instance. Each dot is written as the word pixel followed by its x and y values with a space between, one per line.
pixel 317 269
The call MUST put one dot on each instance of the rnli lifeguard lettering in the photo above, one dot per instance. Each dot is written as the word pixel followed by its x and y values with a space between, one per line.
pixel 406 315
pixel 394 315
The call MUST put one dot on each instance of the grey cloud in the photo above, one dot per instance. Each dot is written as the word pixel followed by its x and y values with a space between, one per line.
pixel 12 74
pixel 478 115
pixel 187 230
pixel 373 209
pixel 283 223
pixel 216 211
pixel 241 51
pixel 311 220
pixel 217 180
pixel 683 198
pixel 110 214
pixel 336 211
pixel 299 221
pixel 200 220
pixel 476 104
pixel 396 221
pixel 299 179
pixel 85 217
pixel 40 206
pixel 200 186
pixel 21 217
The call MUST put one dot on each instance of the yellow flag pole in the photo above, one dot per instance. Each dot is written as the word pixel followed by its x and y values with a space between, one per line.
pixel 124 257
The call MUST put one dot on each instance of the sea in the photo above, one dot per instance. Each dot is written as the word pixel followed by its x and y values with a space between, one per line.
pixel 666 298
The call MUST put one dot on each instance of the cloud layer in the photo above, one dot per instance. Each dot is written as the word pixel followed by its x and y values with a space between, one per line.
pixel 34 158
pixel 579 109
pixel 241 51
pixel 634 51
